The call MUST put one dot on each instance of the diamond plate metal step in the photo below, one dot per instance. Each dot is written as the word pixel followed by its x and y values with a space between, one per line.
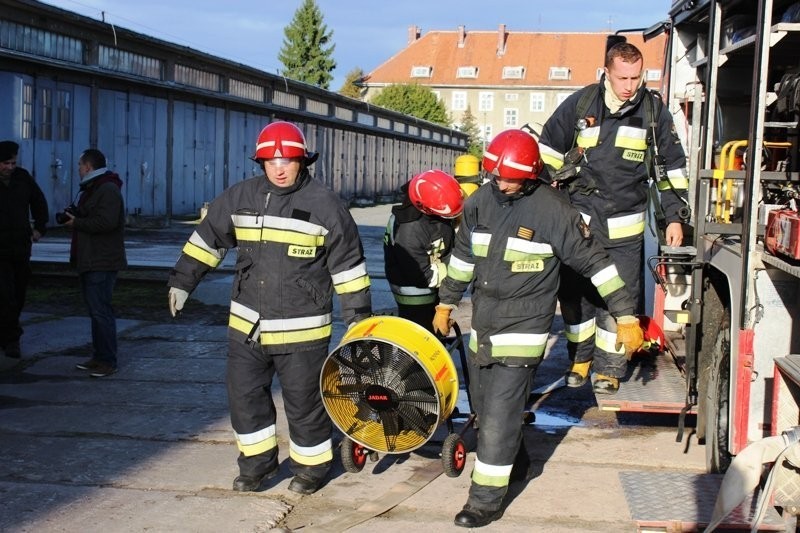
pixel 653 384
pixel 674 501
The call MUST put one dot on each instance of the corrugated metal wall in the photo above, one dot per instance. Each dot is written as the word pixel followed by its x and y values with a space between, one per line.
pixel 177 144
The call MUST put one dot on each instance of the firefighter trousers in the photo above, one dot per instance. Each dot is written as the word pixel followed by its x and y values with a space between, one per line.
pixel 585 313
pixel 499 394
pixel 253 417
pixel 419 314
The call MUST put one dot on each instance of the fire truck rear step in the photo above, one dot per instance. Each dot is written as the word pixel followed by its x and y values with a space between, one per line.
pixel 653 384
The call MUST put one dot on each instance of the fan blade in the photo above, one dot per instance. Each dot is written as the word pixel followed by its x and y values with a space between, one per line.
pixel 413 419
pixel 390 422
pixel 364 412
pixel 351 388
pixel 429 401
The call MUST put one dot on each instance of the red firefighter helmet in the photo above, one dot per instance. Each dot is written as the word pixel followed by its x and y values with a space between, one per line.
pixel 435 192
pixel 513 155
pixel 281 139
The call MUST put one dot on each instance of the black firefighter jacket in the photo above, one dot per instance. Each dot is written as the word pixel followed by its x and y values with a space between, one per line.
pixel 20 199
pixel 413 241
pixel 612 186
pixel 511 248
pixel 295 246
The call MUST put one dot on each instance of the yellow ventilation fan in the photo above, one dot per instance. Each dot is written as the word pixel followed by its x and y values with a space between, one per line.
pixel 389 384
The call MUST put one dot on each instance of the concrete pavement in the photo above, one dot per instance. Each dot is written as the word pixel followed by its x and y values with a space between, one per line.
pixel 150 448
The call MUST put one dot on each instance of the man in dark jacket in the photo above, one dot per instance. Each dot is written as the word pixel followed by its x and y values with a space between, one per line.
pixel 515 234
pixel 296 245
pixel 20 199
pixel 621 128
pixel 98 253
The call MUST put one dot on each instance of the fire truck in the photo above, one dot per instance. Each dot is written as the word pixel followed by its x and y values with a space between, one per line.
pixel 728 301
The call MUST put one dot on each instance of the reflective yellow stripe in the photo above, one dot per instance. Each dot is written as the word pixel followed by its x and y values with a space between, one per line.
pixel 522 250
pixel 288 337
pixel 518 344
pixel 412 295
pixel 491 475
pixel 311 455
pixel 352 286
pixel 257 442
pixel 551 157
pixel 633 138
pixel 607 281
pixel 480 244
pixel 291 237
pixel 473 341
pixel 607 341
pixel 676 178
pixel 202 255
pixel 576 333
pixel 626 226
pixel 240 324
pixel 588 138
pixel 459 269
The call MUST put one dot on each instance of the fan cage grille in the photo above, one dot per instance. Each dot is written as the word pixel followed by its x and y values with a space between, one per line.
pixel 354 379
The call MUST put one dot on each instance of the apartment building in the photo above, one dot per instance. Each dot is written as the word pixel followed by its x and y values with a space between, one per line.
pixel 505 78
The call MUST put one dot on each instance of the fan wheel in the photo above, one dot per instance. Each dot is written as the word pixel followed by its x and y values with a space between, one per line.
pixel 354 456
pixel 454 455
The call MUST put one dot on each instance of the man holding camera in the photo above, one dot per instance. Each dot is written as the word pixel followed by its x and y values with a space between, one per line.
pixel 98 253
pixel 20 198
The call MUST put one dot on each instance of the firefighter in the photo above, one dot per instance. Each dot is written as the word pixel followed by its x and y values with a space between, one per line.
pixel 418 240
pixel 467 172
pixel 296 244
pixel 622 127
pixel 515 233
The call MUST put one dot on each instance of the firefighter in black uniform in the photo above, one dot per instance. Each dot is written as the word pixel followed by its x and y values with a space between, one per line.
pixel 297 243
pixel 514 234
pixel 417 243
pixel 625 125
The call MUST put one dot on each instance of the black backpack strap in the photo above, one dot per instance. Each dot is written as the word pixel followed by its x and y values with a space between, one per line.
pixel 584 103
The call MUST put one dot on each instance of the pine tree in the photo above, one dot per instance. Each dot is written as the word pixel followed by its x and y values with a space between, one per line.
pixel 349 87
pixel 469 125
pixel 307 51
pixel 415 100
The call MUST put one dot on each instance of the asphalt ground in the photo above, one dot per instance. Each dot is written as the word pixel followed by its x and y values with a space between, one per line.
pixel 150 448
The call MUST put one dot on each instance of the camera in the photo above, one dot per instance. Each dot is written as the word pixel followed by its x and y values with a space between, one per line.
pixel 61 216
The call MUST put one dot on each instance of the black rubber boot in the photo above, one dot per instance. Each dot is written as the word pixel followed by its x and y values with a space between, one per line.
pixel 472 517
pixel 605 385
pixel 578 374
pixel 304 485
pixel 252 484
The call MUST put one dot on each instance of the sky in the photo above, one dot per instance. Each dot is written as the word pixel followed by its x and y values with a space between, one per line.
pixel 366 33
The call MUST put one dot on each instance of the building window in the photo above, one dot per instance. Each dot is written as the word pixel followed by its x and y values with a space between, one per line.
pixel 40 42
pixel 459 101
pixel 537 102
pixel 652 74
pixel 63 115
pixel 27 111
pixel 243 89
pixel 46 115
pixel 512 97
pixel 421 72
pixel 510 117
pixel 485 101
pixel 560 97
pixel 128 62
pixel 513 73
pixel 558 73
pixel 201 79
pixel 467 72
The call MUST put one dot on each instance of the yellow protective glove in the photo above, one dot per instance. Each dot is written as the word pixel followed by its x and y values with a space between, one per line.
pixel 629 334
pixel 177 298
pixel 441 320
